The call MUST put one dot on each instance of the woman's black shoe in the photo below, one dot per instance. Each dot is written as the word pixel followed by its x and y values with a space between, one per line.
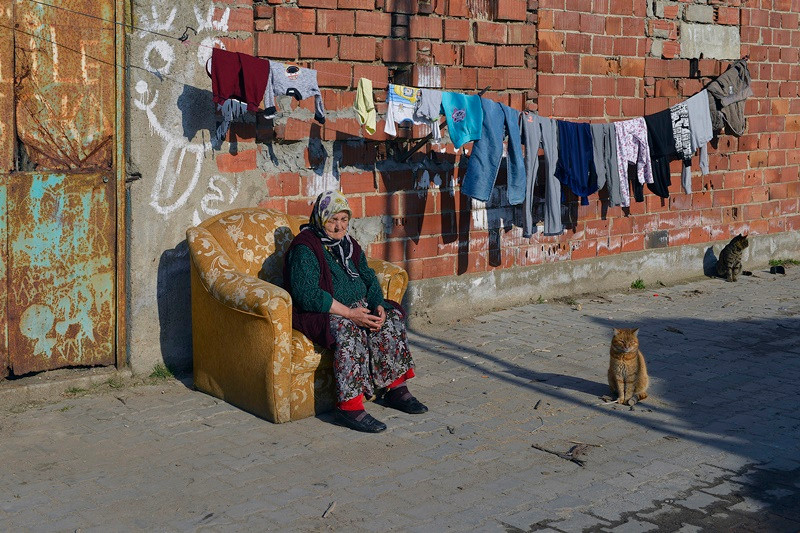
pixel 359 420
pixel 402 400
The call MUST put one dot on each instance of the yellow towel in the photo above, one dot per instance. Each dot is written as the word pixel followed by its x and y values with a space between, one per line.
pixel 364 105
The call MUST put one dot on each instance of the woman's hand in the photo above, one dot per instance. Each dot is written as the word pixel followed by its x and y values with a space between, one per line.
pixel 362 317
pixel 381 313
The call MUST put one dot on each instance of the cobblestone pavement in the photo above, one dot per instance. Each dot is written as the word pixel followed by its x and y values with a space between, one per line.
pixel 715 447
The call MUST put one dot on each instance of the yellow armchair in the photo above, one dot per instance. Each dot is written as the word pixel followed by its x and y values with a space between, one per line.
pixel 245 350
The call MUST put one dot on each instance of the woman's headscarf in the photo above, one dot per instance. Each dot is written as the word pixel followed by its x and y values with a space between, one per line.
pixel 327 205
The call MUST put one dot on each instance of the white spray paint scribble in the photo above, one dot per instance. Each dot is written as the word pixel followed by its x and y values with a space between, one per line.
pixel 181 163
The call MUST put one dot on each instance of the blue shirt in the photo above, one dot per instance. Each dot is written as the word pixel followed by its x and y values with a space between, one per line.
pixel 464 117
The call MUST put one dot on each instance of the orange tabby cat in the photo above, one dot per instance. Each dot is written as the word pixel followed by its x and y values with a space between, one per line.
pixel 627 372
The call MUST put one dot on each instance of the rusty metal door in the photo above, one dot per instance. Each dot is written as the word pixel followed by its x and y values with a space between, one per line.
pixel 57 184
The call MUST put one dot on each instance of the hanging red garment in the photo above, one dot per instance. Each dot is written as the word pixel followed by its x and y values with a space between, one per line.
pixel 240 76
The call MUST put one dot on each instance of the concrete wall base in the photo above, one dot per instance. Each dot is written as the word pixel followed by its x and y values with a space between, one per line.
pixel 441 300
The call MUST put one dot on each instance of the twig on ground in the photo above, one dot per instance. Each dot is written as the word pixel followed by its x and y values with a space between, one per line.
pixel 329 510
pixel 569 456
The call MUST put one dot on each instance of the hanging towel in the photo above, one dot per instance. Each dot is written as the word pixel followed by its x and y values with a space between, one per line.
pixel 604 146
pixel 487 152
pixel 727 95
pixel 292 80
pixel 540 131
pixel 428 109
pixel 575 167
pixel 661 142
pixel 239 76
pixel 364 105
pixel 632 148
pixel 401 101
pixel 701 132
pixel 464 115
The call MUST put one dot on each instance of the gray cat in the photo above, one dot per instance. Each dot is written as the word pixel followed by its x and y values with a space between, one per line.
pixel 730 258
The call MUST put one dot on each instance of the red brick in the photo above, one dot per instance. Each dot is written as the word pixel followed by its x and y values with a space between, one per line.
pixel 373 23
pixel 728 15
pixel 494 78
pixel 438 266
pixel 478 56
pixel 392 250
pixel 408 7
pixel 490 32
pixel 283 184
pixel 356 48
pixel 277 45
pixel 520 78
pixel 274 203
pixel 460 78
pixel 457 8
pixel 583 249
pixel 239 45
pixel 551 84
pixel 379 75
pixel 399 51
pixel 632 243
pixel 551 41
pixel 595 24
pixel 330 74
pixel 425 28
pixel 263 11
pixel 318 47
pixel 566 64
pixel 357 4
pixel 382 204
pixel 239 162
pixel 239 19
pixel 324 4
pixel 338 22
pixel 444 54
pixel 512 10
pixel 510 56
pixel 521 34
pixel 567 20
pixel 357 182
pixel 342 129
pixel 293 20
pixel 456 30
pixel 578 43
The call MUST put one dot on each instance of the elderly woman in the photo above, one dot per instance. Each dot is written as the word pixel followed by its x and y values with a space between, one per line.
pixel 338 303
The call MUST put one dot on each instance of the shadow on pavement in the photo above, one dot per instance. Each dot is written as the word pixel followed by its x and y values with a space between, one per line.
pixel 728 385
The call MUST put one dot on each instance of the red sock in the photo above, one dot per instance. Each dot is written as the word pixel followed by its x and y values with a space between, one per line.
pixel 353 404
pixel 402 379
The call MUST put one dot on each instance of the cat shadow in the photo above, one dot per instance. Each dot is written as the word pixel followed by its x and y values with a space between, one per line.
pixel 710 263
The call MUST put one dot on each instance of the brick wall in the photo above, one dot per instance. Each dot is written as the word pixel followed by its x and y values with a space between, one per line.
pixel 596 61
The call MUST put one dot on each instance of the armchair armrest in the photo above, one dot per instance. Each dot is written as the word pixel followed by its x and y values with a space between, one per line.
pixel 241 332
pixel 392 278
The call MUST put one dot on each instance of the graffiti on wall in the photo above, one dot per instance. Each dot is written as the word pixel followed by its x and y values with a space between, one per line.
pixel 179 114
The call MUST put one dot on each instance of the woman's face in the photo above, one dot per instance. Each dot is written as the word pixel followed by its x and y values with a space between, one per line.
pixel 336 226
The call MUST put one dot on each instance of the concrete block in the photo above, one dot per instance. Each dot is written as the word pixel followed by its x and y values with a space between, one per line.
pixel 698 13
pixel 714 42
